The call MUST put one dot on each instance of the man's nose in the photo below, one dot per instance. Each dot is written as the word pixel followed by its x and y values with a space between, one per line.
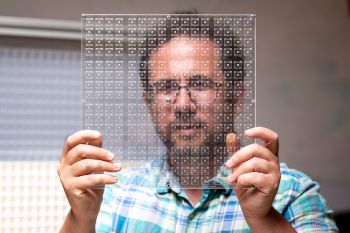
pixel 183 101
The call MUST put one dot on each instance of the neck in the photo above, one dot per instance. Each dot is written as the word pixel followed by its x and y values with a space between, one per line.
pixel 194 195
pixel 179 160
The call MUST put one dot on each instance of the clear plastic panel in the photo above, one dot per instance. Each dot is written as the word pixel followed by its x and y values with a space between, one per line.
pixel 165 90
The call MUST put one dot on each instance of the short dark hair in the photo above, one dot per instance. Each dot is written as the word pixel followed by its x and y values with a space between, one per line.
pixel 225 57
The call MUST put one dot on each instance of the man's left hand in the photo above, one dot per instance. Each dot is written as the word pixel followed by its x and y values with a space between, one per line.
pixel 255 172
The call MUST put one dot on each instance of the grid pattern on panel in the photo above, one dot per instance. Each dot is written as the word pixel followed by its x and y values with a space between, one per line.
pixel 125 61
pixel 32 198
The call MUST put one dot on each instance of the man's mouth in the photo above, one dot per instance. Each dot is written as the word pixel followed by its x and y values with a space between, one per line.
pixel 184 126
pixel 187 128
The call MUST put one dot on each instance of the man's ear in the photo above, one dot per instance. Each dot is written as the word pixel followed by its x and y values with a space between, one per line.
pixel 146 97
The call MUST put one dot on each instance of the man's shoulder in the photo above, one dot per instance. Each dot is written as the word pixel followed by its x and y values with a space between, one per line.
pixel 290 176
pixel 299 200
pixel 293 184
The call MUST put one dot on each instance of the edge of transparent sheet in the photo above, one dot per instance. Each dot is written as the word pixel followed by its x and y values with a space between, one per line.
pixel 129 64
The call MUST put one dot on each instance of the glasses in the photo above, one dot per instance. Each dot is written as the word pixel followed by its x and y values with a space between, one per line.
pixel 201 90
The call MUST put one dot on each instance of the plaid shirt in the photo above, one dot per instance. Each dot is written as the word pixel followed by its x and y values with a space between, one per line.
pixel 147 201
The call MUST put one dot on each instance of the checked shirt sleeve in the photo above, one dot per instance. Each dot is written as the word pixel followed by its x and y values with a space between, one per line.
pixel 307 210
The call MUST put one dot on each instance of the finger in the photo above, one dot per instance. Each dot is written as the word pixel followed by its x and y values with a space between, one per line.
pixel 232 143
pixel 83 151
pixel 93 180
pixel 81 137
pixel 254 179
pixel 96 142
pixel 254 164
pixel 269 137
pixel 248 152
pixel 87 166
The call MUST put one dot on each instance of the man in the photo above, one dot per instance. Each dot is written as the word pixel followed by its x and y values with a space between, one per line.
pixel 259 196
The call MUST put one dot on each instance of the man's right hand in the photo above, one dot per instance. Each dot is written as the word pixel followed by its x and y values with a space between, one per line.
pixel 81 171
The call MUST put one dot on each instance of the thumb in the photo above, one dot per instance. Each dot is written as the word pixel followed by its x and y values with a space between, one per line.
pixel 96 142
pixel 232 143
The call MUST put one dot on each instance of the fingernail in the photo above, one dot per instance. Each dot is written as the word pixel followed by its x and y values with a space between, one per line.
pixel 248 131
pixel 228 163
pixel 95 134
pixel 110 155
pixel 117 165
pixel 115 179
pixel 231 137
pixel 231 178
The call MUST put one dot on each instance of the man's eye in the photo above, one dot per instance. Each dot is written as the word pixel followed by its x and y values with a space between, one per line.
pixel 161 89
pixel 173 85
pixel 167 86
pixel 200 84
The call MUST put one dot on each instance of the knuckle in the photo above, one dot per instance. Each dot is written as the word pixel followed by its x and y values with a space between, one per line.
pixel 275 169
pixel 91 178
pixel 254 176
pixel 274 162
pixel 65 182
pixel 254 163
pixel 62 173
pixel 83 150
pixel 275 136
pixel 107 165
pixel 87 150
pixel 102 165
pixel 248 165
pixel 255 147
pixel 278 177
pixel 58 170
pixel 273 185
pixel 102 152
pixel 80 147
pixel 258 179
pixel 94 178
pixel 68 186
pixel 271 182
pixel 64 153
pixel 88 164
pixel 69 141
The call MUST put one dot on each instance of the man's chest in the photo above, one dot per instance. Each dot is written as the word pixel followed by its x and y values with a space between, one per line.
pixel 169 213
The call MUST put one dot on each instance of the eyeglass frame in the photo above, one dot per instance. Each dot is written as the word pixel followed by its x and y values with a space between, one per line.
pixel 215 87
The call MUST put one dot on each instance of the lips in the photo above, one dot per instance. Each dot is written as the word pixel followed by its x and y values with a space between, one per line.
pixel 187 126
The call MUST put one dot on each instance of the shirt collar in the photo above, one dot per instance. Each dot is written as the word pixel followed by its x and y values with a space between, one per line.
pixel 166 181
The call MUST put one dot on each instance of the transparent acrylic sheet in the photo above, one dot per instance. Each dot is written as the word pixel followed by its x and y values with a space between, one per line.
pixel 148 84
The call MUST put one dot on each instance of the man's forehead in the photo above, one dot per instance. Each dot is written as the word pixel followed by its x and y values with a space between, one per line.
pixel 180 48
pixel 184 57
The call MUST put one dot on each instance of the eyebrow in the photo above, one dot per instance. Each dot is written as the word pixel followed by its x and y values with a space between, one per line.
pixel 192 77
pixel 166 80
pixel 204 77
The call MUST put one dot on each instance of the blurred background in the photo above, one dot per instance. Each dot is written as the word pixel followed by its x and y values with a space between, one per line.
pixel 303 93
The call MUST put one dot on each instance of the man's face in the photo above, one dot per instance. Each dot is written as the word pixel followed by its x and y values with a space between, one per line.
pixel 186 87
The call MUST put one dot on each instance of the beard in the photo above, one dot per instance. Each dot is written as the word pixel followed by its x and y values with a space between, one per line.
pixel 193 165
pixel 195 149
